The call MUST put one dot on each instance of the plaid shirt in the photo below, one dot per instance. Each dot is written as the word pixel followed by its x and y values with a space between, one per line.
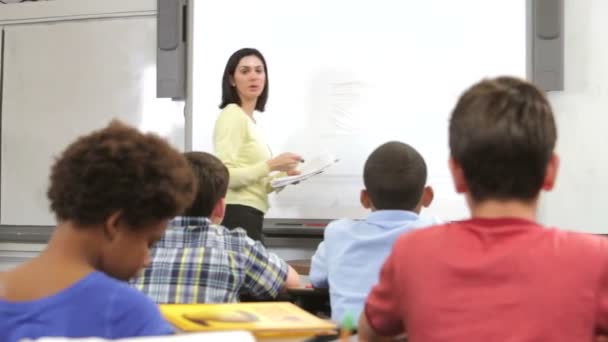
pixel 199 262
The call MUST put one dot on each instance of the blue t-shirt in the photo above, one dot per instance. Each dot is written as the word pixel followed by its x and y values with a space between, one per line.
pixel 95 306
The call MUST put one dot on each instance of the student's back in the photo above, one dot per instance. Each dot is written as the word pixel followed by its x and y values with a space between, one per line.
pixel 199 261
pixel 348 260
pixel 498 276
pixel 96 305
pixel 498 280
pixel 352 253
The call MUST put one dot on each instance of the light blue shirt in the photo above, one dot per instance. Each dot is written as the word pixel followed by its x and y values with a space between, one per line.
pixel 349 259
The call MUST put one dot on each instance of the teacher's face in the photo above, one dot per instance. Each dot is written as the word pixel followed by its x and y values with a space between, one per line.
pixel 249 78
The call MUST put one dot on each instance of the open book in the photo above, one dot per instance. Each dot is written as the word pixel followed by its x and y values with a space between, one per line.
pixel 309 169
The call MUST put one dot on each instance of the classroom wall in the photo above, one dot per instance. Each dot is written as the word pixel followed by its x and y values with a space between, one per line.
pixel 75 38
pixel 580 198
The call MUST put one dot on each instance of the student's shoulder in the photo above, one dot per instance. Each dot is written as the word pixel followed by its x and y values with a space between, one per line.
pixel 129 312
pixel 340 226
pixel 117 291
pixel 246 250
pixel 117 297
pixel 417 237
pixel 578 241
pixel 231 239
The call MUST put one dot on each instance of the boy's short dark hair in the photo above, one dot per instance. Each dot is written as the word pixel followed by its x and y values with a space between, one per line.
pixel 119 169
pixel 502 133
pixel 212 176
pixel 395 176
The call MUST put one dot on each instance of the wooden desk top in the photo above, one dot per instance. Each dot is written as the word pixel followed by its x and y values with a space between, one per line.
pixel 308 291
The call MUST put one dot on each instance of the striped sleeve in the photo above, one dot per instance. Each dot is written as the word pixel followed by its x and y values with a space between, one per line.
pixel 265 272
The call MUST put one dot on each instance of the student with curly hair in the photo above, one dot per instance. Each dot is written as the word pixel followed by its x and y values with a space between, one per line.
pixel 112 192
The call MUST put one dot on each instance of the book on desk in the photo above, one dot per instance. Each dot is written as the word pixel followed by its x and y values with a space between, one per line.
pixel 263 319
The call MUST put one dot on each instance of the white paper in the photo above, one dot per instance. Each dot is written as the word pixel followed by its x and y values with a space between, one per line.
pixel 309 169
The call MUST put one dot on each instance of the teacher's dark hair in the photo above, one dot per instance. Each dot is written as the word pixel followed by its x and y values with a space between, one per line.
pixel 229 93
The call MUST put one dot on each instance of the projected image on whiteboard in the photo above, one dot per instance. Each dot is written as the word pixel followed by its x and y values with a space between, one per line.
pixel 347 76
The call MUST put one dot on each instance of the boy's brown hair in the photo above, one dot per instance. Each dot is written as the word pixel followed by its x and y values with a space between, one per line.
pixel 212 176
pixel 502 133
pixel 119 169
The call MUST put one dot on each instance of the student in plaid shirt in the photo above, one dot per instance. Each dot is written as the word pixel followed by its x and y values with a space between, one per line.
pixel 200 261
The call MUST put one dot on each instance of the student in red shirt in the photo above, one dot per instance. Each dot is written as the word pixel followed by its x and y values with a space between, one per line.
pixel 499 276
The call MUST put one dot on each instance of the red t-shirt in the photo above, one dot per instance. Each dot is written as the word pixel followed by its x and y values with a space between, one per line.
pixel 492 280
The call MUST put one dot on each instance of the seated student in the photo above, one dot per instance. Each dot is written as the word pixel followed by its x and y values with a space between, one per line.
pixel 113 192
pixel 499 276
pixel 200 261
pixel 352 252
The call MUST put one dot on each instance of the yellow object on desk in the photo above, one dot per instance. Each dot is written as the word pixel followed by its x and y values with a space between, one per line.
pixel 264 319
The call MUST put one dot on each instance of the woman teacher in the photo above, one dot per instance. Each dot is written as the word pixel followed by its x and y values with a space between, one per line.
pixel 239 144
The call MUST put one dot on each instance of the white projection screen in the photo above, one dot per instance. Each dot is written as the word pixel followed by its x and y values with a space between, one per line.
pixel 346 76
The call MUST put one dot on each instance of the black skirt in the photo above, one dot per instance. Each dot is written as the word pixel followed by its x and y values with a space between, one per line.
pixel 245 217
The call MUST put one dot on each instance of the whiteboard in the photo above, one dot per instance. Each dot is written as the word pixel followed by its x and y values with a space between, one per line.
pixel 62 80
pixel 346 76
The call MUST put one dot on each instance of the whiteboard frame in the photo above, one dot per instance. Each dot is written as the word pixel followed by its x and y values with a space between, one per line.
pixel 61 10
pixel 66 10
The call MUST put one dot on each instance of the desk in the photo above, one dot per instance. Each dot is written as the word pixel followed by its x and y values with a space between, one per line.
pixel 315 301
pixel 320 338
pixel 302 266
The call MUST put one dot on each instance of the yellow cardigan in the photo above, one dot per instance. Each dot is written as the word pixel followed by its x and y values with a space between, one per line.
pixel 238 143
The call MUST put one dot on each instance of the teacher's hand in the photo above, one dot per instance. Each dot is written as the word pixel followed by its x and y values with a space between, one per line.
pixel 284 162
pixel 294 172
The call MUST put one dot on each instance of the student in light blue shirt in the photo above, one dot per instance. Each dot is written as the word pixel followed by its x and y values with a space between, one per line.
pixel 349 259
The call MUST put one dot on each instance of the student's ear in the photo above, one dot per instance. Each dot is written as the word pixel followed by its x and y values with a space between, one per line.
pixel 366 202
pixel 112 225
pixel 219 210
pixel 231 81
pixel 551 173
pixel 460 184
pixel 427 196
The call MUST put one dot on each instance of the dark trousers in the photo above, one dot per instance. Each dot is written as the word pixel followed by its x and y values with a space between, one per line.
pixel 245 217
